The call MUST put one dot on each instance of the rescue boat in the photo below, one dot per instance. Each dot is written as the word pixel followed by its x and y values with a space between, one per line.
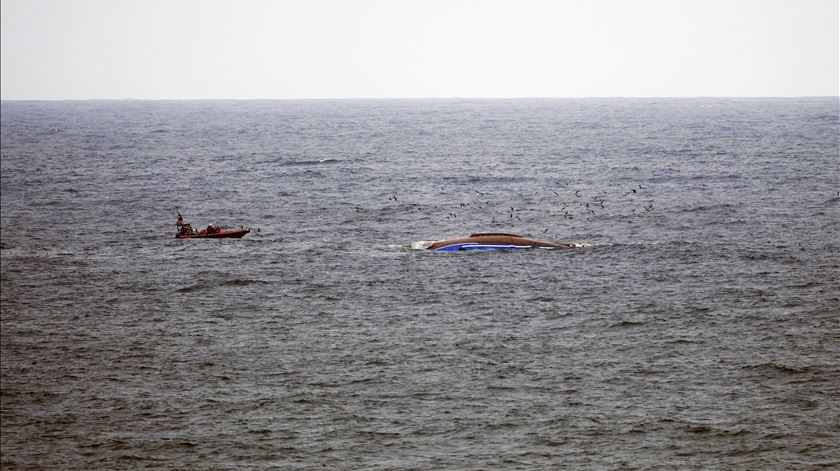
pixel 186 231
pixel 214 232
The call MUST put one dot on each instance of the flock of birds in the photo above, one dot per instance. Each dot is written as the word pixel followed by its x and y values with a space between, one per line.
pixel 564 205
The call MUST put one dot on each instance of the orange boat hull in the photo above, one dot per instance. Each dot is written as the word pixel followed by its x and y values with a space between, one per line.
pixel 234 234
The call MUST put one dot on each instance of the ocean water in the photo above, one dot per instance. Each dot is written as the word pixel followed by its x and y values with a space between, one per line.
pixel 701 329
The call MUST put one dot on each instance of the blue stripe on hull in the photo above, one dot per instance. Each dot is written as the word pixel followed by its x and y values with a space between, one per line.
pixel 477 246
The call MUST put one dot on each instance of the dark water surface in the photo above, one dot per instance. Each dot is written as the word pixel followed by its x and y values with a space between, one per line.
pixel 700 330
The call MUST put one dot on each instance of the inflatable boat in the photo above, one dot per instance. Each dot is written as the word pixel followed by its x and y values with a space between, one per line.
pixel 213 232
pixel 186 231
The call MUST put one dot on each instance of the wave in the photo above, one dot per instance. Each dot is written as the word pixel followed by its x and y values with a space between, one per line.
pixel 235 282
pixel 626 324
pixel 190 289
pixel 776 368
pixel 313 162
pixel 243 282
pixel 301 163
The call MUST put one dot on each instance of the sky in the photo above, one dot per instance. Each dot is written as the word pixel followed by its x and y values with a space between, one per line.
pixel 293 49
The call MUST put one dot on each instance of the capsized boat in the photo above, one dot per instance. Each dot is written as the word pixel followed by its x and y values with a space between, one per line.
pixel 491 241
pixel 186 231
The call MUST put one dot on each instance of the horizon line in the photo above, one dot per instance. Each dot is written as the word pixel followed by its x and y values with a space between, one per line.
pixel 435 98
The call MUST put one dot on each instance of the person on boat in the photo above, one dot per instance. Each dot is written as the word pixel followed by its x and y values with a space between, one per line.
pixel 211 229
pixel 182 229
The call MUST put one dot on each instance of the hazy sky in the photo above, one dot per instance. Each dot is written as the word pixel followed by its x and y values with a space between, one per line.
pixel 79 49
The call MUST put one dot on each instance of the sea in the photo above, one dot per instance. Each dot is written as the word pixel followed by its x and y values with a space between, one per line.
pixel 699 330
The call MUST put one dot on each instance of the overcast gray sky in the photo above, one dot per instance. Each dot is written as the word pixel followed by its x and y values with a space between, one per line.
pixel 162 49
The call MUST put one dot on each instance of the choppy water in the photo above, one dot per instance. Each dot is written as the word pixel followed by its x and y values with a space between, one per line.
pixel 700 330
